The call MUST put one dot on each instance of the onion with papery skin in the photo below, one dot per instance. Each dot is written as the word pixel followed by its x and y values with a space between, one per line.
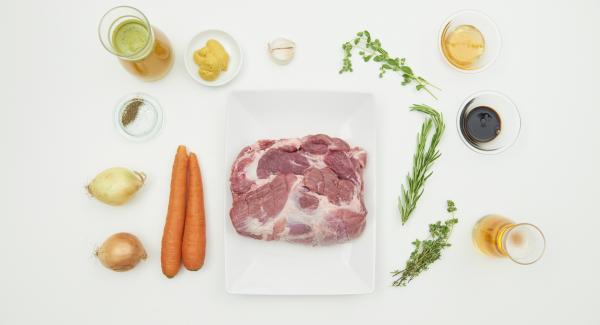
pixel 116 186
pixel 121 252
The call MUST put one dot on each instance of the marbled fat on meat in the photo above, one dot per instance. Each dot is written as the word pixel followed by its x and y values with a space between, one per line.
pixel 307 190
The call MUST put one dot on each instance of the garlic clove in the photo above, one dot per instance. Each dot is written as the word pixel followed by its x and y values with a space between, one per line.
pixel 282 50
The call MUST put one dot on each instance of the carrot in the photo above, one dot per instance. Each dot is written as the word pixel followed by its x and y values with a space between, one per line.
pixel 170 255
pixel 194 235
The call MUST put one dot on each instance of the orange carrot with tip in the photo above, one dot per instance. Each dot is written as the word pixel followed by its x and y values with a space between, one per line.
pixel 170 255
pixel 193 248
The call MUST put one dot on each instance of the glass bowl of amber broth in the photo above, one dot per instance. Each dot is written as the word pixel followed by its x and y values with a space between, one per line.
pixel 469 41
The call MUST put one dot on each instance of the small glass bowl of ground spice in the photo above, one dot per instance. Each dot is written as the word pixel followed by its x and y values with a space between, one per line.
pixel 138 116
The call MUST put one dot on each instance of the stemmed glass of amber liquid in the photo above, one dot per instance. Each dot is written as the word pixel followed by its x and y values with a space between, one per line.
pixel 142 49
pixel 498 236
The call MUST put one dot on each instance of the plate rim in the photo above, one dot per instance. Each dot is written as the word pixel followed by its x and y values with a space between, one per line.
pixel 232 96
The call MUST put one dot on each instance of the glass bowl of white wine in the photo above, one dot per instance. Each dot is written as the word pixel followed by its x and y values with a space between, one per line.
pixel 469 41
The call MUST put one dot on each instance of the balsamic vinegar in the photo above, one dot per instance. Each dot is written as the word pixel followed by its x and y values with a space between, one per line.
pixel 482 124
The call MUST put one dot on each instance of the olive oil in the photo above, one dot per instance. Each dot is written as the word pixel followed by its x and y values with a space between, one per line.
pixel 142 49
pixel 130 37
pixel 463 46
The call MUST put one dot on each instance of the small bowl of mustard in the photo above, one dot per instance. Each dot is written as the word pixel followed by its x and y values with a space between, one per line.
pixel 213 58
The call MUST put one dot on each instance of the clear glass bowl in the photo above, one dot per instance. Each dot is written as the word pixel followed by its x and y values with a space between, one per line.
pixel 148 120
pixel 524 243
pixel 487 27
pixel 509 117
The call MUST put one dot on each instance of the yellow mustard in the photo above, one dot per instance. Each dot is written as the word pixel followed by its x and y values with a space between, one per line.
pixel 212 59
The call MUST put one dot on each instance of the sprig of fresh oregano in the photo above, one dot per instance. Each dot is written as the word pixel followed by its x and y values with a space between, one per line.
pixel 427 251
pixel 371 49
pixel 423 159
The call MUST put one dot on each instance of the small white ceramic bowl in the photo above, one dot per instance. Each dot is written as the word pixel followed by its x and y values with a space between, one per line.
pixel 231 47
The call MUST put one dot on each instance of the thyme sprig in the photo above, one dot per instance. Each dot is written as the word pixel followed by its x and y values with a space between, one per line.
pixel 427 251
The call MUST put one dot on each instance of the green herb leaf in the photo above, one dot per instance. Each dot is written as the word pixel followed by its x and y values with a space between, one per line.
pixel 425 155
pixel 371 49
pixel 427 251
pixel 408 71
pixel 451 206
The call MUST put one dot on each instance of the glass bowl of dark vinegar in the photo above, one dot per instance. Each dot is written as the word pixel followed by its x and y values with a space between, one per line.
pixel 488 122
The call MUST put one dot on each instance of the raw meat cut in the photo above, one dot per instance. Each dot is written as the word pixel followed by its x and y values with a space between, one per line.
pixel 307 190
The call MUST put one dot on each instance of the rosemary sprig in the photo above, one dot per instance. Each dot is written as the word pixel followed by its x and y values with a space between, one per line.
pixel 371 49
pixel 423 159
pixel 427 251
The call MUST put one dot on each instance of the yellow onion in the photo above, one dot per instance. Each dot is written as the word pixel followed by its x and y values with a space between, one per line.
pixel 116 186
pixel 121 252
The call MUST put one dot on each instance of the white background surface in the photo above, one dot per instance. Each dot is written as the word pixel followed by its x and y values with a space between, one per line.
pixel 58 90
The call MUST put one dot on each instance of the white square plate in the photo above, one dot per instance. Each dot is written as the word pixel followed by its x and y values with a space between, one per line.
pixel 280 268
